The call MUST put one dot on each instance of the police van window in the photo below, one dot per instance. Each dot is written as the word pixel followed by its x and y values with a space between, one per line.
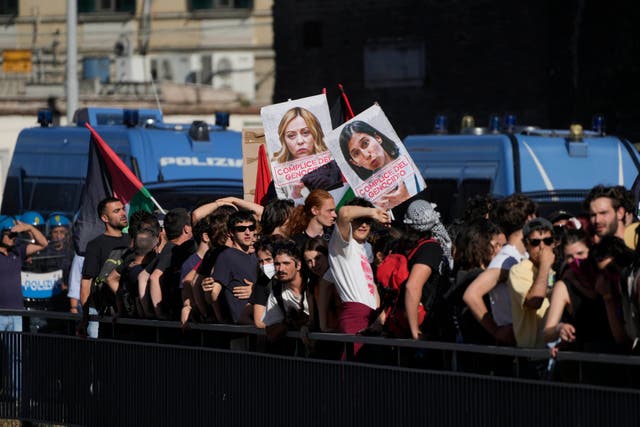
pixel 11 198
pixel 109 119
pixel 474 187
pixel 444 193
pixel 55 196
pixel 42 194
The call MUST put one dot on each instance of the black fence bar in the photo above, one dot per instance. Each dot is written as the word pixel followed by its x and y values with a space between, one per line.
pixel 74 381
pixel 22 395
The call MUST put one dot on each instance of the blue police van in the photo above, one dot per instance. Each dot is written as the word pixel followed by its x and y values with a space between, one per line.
pixel 178 163
pixel 554 167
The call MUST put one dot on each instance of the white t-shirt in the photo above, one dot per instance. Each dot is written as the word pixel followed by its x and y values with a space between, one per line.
pixel 499 295
pixel 351 270
pixel 273 314
pixel 75 277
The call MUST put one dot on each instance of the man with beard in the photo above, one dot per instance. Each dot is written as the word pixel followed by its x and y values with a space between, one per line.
pixel 288 304
pixel 606 207
pixel 106 247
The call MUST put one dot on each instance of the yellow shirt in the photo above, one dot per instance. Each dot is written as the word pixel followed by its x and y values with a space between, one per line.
pixel 527 322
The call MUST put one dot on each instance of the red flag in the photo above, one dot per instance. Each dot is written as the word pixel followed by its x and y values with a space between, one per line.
pixel 341 110
pixel 348 114
pixel 263 176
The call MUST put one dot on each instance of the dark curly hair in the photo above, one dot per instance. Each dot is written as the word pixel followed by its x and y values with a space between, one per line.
pixel 513 211
pixel 618 195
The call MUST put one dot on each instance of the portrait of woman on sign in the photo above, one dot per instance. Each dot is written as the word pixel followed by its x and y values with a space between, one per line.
pixel 374 161
pixel 300 160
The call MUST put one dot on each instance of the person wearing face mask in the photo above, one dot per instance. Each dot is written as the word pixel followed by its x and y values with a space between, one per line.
pixel 260 292
pixel 144 230
pixel 290 304
pixel 585 304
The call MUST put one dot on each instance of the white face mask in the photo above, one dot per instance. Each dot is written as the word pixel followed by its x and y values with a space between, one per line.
pixel 269 270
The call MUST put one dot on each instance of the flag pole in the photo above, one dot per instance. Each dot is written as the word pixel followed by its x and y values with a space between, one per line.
pixel 155 202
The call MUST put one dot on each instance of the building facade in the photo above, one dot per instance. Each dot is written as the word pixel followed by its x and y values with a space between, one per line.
pixel 548 63
pixel 218 49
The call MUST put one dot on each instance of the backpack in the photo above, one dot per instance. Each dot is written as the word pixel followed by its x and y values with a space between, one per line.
pixel 392 275
pixel 101 295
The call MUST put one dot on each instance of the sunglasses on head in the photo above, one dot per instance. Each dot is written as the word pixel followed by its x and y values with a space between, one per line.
pixel 536 242
pixel 243 228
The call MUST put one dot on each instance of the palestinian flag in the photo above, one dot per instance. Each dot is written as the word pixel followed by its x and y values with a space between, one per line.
pixel 107 176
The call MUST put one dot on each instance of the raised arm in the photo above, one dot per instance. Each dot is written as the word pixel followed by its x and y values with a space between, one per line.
pixel 346 214
pixel 553 328
pixel 474 294
pixel 39 239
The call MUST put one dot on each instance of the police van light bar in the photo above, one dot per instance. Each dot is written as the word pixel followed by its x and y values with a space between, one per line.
pixel 598 124
pixel 199 131
pixel 575 132
pixel 468 122
pixel 494 123
pixel 509 122
pixel 222 119
pixel 45 117
pixel 440 125
pixel 130 118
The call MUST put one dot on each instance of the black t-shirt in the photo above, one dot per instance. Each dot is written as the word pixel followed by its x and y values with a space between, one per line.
pixel 302 238
pixel 589 317
pixel 170 260
pixel 232 267
pixel 428 254
pixel 129 271
pixel 261 290
pixel 98 251
pixel 209 261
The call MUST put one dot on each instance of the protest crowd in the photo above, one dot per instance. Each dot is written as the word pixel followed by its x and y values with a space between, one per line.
pixel 500 275
pixel 352 247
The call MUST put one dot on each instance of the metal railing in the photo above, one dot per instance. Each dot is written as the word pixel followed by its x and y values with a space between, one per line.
pixel 221 377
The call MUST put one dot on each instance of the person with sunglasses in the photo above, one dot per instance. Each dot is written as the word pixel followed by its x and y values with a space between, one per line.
pixel 530 283
pixel 350 259
pixel 236 267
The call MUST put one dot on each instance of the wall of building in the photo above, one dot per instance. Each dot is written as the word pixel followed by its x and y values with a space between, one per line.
pixel 548 62
pixel 174 30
